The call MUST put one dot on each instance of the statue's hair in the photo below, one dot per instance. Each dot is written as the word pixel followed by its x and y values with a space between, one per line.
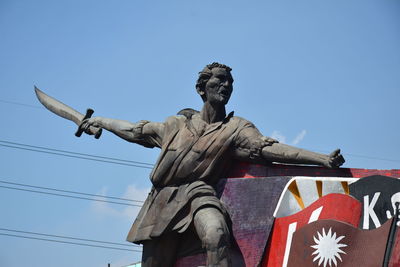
pixel 217 65
pixel 206 74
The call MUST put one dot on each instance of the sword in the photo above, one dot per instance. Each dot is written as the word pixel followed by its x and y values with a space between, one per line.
pixel 68 113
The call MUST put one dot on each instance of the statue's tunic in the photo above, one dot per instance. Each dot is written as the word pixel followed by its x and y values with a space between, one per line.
pixel 194 156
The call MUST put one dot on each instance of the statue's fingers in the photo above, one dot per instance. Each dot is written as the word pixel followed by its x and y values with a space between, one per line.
pixel 86 127
pixel 339 160
pixel 269 140
pixel 335 153
pixel 342 160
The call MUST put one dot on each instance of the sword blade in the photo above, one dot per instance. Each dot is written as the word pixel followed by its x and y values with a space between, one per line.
pixel 58 107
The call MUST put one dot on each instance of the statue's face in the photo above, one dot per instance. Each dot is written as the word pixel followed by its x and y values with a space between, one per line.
pixel 219 87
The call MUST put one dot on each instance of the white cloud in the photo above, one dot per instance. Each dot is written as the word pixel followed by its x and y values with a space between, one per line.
pixel 299 137
pixel 282 138
pixel 278 136
pixel 114 210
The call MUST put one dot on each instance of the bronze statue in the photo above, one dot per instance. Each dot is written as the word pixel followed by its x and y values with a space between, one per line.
pixel 197 147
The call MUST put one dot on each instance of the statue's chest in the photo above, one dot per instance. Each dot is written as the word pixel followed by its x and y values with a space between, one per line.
pixel 200 139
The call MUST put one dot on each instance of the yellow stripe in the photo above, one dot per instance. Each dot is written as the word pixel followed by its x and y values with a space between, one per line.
pixel 346 188
pixel 296 193
pixel 319 188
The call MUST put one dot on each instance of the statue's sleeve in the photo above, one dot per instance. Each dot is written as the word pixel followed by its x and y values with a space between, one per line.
pixel 148 134
pixel 248 144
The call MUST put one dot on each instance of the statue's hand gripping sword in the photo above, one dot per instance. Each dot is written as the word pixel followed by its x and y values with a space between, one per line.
pixel 67 112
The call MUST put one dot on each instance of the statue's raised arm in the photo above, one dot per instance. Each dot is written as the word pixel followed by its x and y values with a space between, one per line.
pixel 148 134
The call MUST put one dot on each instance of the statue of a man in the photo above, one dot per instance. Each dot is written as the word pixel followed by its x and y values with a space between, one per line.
pixel 196 149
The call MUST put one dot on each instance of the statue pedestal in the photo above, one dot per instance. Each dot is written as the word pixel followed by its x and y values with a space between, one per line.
pixel 252 202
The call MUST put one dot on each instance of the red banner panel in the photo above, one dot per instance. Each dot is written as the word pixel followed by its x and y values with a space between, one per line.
pixel 333 206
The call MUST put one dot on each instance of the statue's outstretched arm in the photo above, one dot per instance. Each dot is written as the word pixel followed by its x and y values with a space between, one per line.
pixel 251 145
pixel 282 153
pixel 131 132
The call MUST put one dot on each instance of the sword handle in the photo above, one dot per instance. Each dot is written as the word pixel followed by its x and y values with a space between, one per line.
pixel 96 131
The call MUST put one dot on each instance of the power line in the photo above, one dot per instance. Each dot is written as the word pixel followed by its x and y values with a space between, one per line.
pixel 62 195
pixel 360 156
pixel 34 106
pixel 72 192
pixel 127 162
pixel 20 104
pixel 77 153
pixel 69 237
pixel 368 157
pixel 71 243
pixel 73 156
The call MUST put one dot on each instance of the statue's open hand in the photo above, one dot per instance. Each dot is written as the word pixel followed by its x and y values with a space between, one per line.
pixel 335 159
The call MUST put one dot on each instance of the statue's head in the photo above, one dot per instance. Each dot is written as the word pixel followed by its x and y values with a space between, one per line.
pixel 215 83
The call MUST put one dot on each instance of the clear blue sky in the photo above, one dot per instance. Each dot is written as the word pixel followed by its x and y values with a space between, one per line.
pixel 318 74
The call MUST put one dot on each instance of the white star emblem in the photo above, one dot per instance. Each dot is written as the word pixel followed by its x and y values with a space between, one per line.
pixel 327 248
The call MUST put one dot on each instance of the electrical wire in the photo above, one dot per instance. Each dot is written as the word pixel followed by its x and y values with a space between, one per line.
pixel 73 156
pixel 368 157
pixel 71 243
pixel 129 162
pixel 76 153
pixel 69 237
pixel 33 106
pixel 72 192
pixel 63 195
pixel 359 156
pixel 20 104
